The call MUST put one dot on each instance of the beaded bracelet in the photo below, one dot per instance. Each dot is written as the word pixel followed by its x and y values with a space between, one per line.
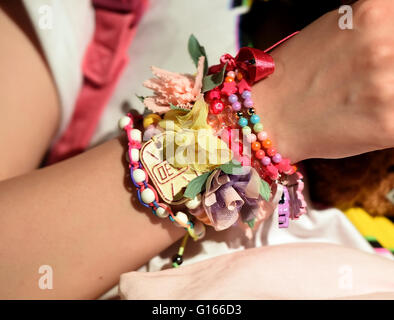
pixel 221 192
pixel 270 159
pixel 265 158
pixel 147 195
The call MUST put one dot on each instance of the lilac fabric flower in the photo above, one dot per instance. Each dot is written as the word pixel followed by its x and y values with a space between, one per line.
pixel 230 197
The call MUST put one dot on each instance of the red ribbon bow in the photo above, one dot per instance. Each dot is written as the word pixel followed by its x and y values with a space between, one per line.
pixel 255 64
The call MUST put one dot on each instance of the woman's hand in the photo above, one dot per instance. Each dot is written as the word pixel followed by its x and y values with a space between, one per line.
pixel 332 93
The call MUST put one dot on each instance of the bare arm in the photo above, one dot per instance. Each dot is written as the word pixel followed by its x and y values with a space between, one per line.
pixel 78 218
pixel 29 108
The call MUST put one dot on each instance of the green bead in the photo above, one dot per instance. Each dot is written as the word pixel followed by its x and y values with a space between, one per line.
pixel 246 130
pixel 258 127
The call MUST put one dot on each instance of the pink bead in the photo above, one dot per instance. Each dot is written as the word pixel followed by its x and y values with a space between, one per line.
pixel 277 158
pixel 251 137
pixel 236 106
pixel 262 135
pixel 216 106
pixel 231 74
pixel 248 103
pixel 284 166
pixel 272 172
pixel 214 94
pixel 266 161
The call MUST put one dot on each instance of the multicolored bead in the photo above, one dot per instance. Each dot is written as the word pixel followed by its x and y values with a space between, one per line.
pixel 256 146
pixel 248 102
pixel 277 158
pixel 236 106
pixel 216 106
pixel 258 127
pixel 232 98
pixel 243 122
pixel 262 135
pixel 246 94
pixel 254 119
pixel 266 160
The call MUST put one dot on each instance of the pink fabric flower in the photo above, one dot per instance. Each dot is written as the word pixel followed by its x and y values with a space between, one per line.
pixel 243 85
pixel 230 60
pixel 180 90
pixel 229 88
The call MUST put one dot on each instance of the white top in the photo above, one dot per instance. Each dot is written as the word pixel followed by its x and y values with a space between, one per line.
pixel 64 29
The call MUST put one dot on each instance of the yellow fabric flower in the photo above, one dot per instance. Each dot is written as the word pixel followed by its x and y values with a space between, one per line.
pixel 190 141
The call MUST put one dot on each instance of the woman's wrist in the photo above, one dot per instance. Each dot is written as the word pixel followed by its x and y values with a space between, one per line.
pixel 267 95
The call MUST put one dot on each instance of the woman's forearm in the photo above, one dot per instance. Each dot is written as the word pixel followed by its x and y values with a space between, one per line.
pixel 77 217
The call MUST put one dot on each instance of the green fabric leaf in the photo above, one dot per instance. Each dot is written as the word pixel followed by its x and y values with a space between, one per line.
pixel 251 223
pixel 265 190
pixel 229 167
pixel 141 98
pixel 213 80
pixel 196 51
pixel 196 186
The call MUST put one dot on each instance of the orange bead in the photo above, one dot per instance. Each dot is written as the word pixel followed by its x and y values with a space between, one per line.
pixel 239 76
pixel 267 143
pixel 256 146
pixel 228 79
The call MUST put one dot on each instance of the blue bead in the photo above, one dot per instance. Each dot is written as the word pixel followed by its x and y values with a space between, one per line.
pixel 243 122
pixel 254 119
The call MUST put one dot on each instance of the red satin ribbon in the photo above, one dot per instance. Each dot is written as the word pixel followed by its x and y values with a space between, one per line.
pixel 255 63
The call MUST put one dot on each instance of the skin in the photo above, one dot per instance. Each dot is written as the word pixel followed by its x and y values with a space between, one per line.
pixel 79 216
pixel 29 109
pixel 325 271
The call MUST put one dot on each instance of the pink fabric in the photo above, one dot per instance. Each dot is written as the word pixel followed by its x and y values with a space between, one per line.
pixel 291 271
pixel 104 60
pixel 180 90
